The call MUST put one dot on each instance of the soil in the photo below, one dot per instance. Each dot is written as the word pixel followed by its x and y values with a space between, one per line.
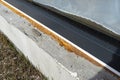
pixel 13 65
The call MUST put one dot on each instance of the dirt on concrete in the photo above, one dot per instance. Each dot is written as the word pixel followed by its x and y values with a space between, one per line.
pixel 13 65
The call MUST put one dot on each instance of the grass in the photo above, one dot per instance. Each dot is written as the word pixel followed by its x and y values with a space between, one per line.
pixel 14 66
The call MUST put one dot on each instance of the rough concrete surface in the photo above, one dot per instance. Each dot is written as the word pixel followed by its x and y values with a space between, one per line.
pixel 36 55
pixel 81 67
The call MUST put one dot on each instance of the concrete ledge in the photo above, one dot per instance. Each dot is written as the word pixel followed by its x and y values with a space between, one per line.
pixel 62 41
pixel 45 53
pixel 44 62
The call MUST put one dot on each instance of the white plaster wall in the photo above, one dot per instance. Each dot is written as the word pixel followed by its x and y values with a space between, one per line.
pixel 102 15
